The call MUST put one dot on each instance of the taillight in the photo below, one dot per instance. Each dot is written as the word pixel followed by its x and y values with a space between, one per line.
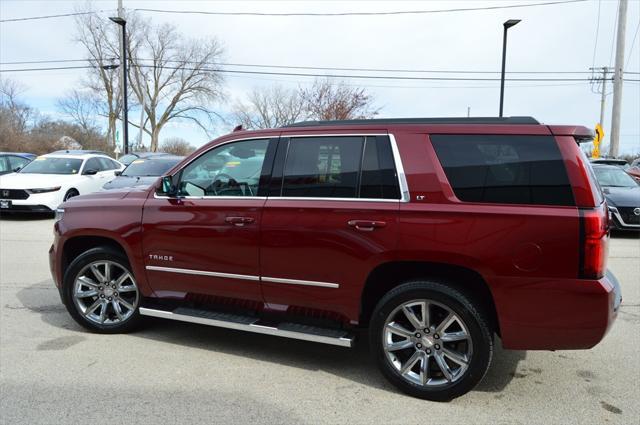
pixel 594 224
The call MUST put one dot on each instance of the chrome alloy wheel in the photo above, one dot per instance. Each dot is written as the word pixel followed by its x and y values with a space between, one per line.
pixel 427 343
pixel 105 293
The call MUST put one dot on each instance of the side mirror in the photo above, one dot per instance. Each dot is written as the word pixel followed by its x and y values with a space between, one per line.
pixel 167 188
pixel 15 170
pixel 117 173
pixel 90 172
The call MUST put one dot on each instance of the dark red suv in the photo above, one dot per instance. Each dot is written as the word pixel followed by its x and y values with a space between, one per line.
pixel 435 234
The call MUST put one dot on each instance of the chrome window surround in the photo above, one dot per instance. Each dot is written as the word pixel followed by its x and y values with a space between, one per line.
pixel 397 159
pixel 243 277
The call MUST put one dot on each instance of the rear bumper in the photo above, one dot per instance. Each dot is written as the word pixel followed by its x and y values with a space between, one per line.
pixel 561 314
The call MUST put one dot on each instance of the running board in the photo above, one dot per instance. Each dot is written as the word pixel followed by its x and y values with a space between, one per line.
pixel 253 324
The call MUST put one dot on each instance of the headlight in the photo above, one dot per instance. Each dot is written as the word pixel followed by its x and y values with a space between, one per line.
pixel 43 190
pixel 59 214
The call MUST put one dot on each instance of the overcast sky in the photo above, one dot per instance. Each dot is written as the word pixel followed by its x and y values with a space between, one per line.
pixel 550 38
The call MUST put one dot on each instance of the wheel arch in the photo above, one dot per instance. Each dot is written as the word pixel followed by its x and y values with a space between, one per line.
pixel 75 246
pixel 389 275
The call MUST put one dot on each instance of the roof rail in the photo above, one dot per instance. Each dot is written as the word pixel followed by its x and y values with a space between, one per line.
pixel 445 120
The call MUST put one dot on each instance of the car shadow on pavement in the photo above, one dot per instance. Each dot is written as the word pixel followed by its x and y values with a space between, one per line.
pixel 625 234
pixel 355 364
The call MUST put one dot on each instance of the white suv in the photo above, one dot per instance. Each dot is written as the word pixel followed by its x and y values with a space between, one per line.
pixel 51 179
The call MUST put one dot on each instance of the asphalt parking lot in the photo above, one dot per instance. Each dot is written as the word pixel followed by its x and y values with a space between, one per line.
pixel 52 371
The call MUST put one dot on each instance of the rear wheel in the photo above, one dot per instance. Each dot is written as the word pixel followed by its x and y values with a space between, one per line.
pixel 430 340
pixel 101 292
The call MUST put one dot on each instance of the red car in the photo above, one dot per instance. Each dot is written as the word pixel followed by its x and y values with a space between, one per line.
pixel 433 234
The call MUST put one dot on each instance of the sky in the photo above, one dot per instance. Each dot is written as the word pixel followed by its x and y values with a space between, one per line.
pixel 556 38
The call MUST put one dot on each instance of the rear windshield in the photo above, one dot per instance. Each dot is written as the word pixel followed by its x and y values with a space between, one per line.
pixel 504 169
pixel 49 165
pixel 149 167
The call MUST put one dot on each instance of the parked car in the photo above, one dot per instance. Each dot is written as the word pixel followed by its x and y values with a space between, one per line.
pixel 433 234
pixel 623 196
pixel 130 157
pixel 634 170
pixel 10 162
pixel 51 179
pixel 143 172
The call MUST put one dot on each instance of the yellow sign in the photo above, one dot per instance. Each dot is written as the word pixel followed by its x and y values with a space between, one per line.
pixel 597 141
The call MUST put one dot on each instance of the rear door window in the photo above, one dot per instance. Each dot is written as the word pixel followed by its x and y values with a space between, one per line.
pixel 323 167
pixel 504 169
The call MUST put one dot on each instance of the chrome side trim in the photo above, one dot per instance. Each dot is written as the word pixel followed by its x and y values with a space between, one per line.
pixel 294 198
pixel 224 198
pixel 300 282
pixel 402 177
pixel 343 341
pixel 203 273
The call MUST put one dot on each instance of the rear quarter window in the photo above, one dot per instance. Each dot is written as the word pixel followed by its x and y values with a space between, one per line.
pixel 504 169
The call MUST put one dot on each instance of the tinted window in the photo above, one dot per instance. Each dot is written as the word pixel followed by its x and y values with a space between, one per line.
pixel 92 164
pixel 4 164
pixel 17 162
pixel 233 169
pixel 150 167
pixel 107 164
pixel 326 167
pixel 378 178
pixel 52 165
pixel 504 169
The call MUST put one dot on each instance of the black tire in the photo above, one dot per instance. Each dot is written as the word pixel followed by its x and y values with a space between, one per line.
pixel 478 330
pixel 70 194
pixel 80 265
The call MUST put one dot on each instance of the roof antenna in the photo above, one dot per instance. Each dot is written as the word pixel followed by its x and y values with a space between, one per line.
pixel 237 128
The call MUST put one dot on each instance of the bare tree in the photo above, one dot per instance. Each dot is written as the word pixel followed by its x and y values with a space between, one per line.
pixel 173 77
pixel 170 76
pixel 325 100
pixel 177 146
pixel 269 108
pixel 328 100
pixel 99 37
pixel 16 113
pixel 81 107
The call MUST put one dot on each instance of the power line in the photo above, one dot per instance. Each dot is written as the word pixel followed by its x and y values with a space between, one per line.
pixel 31 18
pixel 322 68
pixel 633 44
pixel 595 46
pixel 322 14
pixel 301 74
pixel 613 37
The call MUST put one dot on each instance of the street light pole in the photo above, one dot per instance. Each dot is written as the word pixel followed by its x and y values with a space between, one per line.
pixel 508 24
pixel 123 59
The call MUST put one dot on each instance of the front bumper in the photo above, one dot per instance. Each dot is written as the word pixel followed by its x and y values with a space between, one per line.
pixel 35 203
pixel 564 314
pixel 616 221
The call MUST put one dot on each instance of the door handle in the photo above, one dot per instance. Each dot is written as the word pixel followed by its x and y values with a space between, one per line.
pixel 239 221
pixel 366 225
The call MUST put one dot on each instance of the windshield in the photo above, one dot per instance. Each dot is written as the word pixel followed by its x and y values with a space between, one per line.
pixel 149 167
pixel 613 177
pixel 52 165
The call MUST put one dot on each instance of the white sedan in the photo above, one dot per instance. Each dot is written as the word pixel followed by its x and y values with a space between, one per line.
pixel 51 179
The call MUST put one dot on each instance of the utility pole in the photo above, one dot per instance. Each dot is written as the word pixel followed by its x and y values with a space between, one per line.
pixel 602 90
pixel 123 83
pixel 617 79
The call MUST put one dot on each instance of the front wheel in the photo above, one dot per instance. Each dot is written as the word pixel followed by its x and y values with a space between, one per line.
pixel 101 293
pixel 430 340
